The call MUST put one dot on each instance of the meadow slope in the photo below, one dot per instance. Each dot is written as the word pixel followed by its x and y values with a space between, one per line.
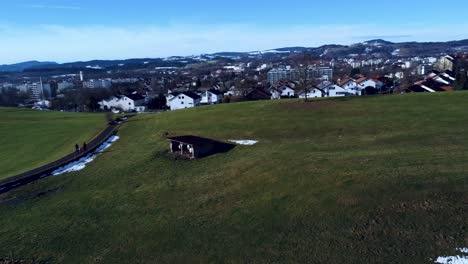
pixel 30 139
pixel 351 180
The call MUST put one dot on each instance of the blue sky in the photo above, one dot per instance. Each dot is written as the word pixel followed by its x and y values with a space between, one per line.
pixel 70 30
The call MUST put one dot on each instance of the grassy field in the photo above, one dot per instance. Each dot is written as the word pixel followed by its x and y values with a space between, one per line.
pixel 29 139
pixel 352 180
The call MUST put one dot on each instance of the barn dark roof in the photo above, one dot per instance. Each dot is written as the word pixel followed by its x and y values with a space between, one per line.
pixel 214 91
pixel 192 95
pixel 135 97
pixel 417 89
pixel 192 140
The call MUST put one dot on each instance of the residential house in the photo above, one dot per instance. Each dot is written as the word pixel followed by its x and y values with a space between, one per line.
pixel 350 85
pixel 184 100
pixel 435 82
pixel 314 92
pixel 211 96
pixel 236 92
pixel 126 103
pixel 333 90
pixel 286 91
pixel 258 94
pixel 169 96
pixel 275 93
pixel 447 62
pixel 364 83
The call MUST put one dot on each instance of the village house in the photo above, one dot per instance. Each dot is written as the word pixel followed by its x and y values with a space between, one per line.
pixel 258 94
pixel 287 92
pixel 211 96
pixel 184 100
pixel 233 91
pixel 351 86
pixel 314 92
pixel 275 94
pixel 126 103
pixel 434 82
pixel 282 92
pixel 326 89
pixel 332 90
pixel 364 82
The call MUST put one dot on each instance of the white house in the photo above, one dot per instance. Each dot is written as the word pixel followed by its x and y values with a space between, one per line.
pixel 351 86
pixel 43 104
pixel 126 103
pixel 334 90
pixel 275 94
pixel 287 91
pixel 365 82
pixel 184 100
pixel 211 96
pixel 313 93
pixel 233 91
pixel 169 97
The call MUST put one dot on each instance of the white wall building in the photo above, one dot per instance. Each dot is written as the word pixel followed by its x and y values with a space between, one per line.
pixel 275 94
pixel 211 96
pixel 126 103
pixel 287 91
pixel 351 86
pixel 64 85
pixel 333 90
pixel 313 93
pixel 184 100
pixel 95 84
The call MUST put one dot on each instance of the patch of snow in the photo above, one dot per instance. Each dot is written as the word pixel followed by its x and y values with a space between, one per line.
pixel 165 68
pixel 268 51
pixel 245 142
pixel 97 67
pixel 276 51
pixel 234 68
pixel 81 163
pixel 396 52
pixel 255 53
pixel 454 259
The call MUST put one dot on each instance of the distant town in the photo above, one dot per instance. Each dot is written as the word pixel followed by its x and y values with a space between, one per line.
pixel 370 68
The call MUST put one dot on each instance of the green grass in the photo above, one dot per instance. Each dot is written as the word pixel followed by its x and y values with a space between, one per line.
pixel 30 139
pixel 353 180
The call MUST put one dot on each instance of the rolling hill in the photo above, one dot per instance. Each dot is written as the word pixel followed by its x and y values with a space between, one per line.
pixel 30 139
pixel 376 47
pixel 24 65
pixel 349 180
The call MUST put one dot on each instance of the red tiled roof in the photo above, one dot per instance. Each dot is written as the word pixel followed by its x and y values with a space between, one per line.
pixel 345 81
pixel 447 88
pixel 360 80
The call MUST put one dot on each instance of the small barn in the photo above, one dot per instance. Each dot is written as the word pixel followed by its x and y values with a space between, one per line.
pixel 194 147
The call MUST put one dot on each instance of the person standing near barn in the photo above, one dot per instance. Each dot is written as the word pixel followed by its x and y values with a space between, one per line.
pixel 77 148
pixel 85 147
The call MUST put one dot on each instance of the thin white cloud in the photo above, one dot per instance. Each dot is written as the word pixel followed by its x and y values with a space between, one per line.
pixel 62 44
pixel 59 7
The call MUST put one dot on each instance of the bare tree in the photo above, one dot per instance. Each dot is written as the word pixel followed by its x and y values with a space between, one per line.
pixel 305 83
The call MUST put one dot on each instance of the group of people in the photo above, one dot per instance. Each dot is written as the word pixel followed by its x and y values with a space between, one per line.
pixel 79 149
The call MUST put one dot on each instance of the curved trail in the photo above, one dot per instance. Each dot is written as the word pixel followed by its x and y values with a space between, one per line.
pixel 44 171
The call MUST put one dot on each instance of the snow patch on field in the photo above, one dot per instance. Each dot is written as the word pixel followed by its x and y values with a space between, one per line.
pixel 81 163
pixel 454 259
pixel 245 142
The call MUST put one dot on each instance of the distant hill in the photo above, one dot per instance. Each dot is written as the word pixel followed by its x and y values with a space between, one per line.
pixel 24 65
pixel 374 47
